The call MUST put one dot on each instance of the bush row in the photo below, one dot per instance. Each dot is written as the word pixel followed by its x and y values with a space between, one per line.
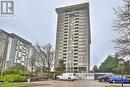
pixel 13 75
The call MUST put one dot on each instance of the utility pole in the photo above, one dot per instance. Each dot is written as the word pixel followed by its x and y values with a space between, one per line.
pixel 121 66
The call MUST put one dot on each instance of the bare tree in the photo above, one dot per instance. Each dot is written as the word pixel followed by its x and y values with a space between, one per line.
pixel 49 54
pixel 46 53
pixel 36 61
pixel 121 25
pixel 41 56
pixel 61 67
pixel 32 61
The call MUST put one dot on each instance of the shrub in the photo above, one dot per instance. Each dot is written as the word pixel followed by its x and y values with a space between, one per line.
pixel 50 74
pixel 13 77
pixel 11 71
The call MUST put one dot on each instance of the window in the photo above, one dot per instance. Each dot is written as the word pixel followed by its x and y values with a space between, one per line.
pixel 66 20
pixel 74 74
pixel 76 37
pixel 75 46
pixel 75 43
pixel 76 21
pixel 65 38
pixel 76 34
pixel 75 60
pixel 75 50
pixel 64 50
pixel 64 57
pixel 75 56
pixel 64 47
pixel 75 40
pixel 65 44
pixel 66 23
pixel 76 15
pixel 66 17
pixel 65 41
pixel 66 26
pixel 64 53
pixel 76 18
pixel 75 64
pixel 76 24
pixel 65 35
pixel 75 53
pixel 76 27
pixel 66 32
pixel 66 29
pixel 76 30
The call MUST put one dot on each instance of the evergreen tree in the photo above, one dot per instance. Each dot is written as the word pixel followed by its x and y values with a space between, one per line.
pixel 95 69
pixel 111 64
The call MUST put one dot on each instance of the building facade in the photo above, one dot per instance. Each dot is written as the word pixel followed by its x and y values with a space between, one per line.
pixel 73 38
pixel 13 50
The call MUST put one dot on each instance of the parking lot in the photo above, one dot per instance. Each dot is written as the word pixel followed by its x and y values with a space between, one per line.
pixel 78 83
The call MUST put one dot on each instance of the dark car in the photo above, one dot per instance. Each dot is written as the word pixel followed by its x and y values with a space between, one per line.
pixel 104 78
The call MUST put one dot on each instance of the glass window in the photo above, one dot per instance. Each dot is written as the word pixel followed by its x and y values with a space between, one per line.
pixel 76 21
pixel 76 30
pixel 64 50
pixel 65 44
pixel 66 26
pixel 76 18
pixel 66 32
pixel 75 46
pixel 76 27
pixel 64 53
pixel 76 24
pixel 64 47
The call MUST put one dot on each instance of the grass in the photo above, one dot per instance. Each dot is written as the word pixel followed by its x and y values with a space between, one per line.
pixel 13 84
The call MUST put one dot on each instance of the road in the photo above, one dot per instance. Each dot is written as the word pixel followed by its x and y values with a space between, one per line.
pixel 78 83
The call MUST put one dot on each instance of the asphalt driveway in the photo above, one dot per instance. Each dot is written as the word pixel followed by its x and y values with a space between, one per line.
pixel 78 83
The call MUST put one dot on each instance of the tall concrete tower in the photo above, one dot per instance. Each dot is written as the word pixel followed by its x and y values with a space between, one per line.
pixel 73 38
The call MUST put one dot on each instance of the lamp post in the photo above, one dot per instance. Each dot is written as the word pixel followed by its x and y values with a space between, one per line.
pixel 121 66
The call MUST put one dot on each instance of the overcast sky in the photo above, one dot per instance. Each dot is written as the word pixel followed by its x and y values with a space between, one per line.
pixel 36 20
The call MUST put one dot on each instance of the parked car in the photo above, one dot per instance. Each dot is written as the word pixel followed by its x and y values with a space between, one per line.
pixel 104 78
pixel 67 76
pixel 118 79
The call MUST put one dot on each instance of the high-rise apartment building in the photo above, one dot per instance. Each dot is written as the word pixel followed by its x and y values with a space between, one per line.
pixel 13 50
pixel 73 38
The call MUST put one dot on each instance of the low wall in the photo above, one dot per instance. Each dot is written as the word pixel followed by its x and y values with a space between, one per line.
pixel 90 76
pixel 85 76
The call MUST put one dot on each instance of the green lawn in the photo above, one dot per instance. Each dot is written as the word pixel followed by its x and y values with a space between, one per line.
pixel 21 84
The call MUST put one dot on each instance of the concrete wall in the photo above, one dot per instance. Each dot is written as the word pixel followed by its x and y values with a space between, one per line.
pixel 85 76
pixel 90 76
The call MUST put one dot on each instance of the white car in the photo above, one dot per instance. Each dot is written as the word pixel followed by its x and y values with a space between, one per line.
pixel 67 76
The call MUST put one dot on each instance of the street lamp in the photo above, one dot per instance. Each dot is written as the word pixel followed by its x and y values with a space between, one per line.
pixel 121 61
